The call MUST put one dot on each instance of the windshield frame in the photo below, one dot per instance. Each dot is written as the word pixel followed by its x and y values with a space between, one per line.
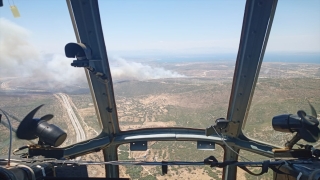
pixel 87 25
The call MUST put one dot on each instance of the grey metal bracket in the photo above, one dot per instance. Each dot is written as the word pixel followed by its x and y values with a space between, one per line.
pixel 139 146
pixel 206 145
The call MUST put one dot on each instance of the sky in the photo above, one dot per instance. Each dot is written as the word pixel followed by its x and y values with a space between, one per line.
pixel 169 27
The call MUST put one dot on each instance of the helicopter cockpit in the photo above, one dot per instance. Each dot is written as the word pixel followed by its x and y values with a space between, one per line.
pixel 159 90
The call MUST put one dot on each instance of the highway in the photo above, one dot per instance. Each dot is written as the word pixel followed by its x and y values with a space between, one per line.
pixel 80 134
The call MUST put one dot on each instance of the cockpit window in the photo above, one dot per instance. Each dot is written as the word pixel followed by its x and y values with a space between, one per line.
pixel 290 74
pixel 35 71
pixel 172 63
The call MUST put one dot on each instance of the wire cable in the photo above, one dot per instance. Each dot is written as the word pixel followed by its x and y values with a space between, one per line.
pixel 229 146
pixel 10 143
pixel 14 152
pixel 152 163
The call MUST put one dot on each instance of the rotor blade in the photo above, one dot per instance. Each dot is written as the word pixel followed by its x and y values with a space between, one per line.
pixel 32 113
pixel 47 117
pixel 313 111
pixel 25 128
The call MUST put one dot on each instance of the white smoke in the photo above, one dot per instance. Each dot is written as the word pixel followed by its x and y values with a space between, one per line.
pixel 123 69
pixel 20 58
pixel 15 50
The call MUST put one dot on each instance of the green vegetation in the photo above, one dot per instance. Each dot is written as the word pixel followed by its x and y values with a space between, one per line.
pixel 148 177
pixel 269 101
pixel 172 151
pixel 84 101
pixel 211 173
pixel 134 171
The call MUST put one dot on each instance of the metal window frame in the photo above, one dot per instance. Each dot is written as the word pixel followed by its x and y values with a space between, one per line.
pixel 256 27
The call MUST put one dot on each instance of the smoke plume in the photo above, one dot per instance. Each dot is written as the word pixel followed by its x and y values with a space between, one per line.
pixel 123 69
pixel 19 58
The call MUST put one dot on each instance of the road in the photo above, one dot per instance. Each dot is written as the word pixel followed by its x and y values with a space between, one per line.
pixel 80 134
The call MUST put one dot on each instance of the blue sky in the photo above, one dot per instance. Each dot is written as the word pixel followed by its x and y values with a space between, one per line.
pixel 170 27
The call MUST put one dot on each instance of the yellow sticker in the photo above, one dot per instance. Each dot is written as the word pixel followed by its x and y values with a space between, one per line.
pixel 15 11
